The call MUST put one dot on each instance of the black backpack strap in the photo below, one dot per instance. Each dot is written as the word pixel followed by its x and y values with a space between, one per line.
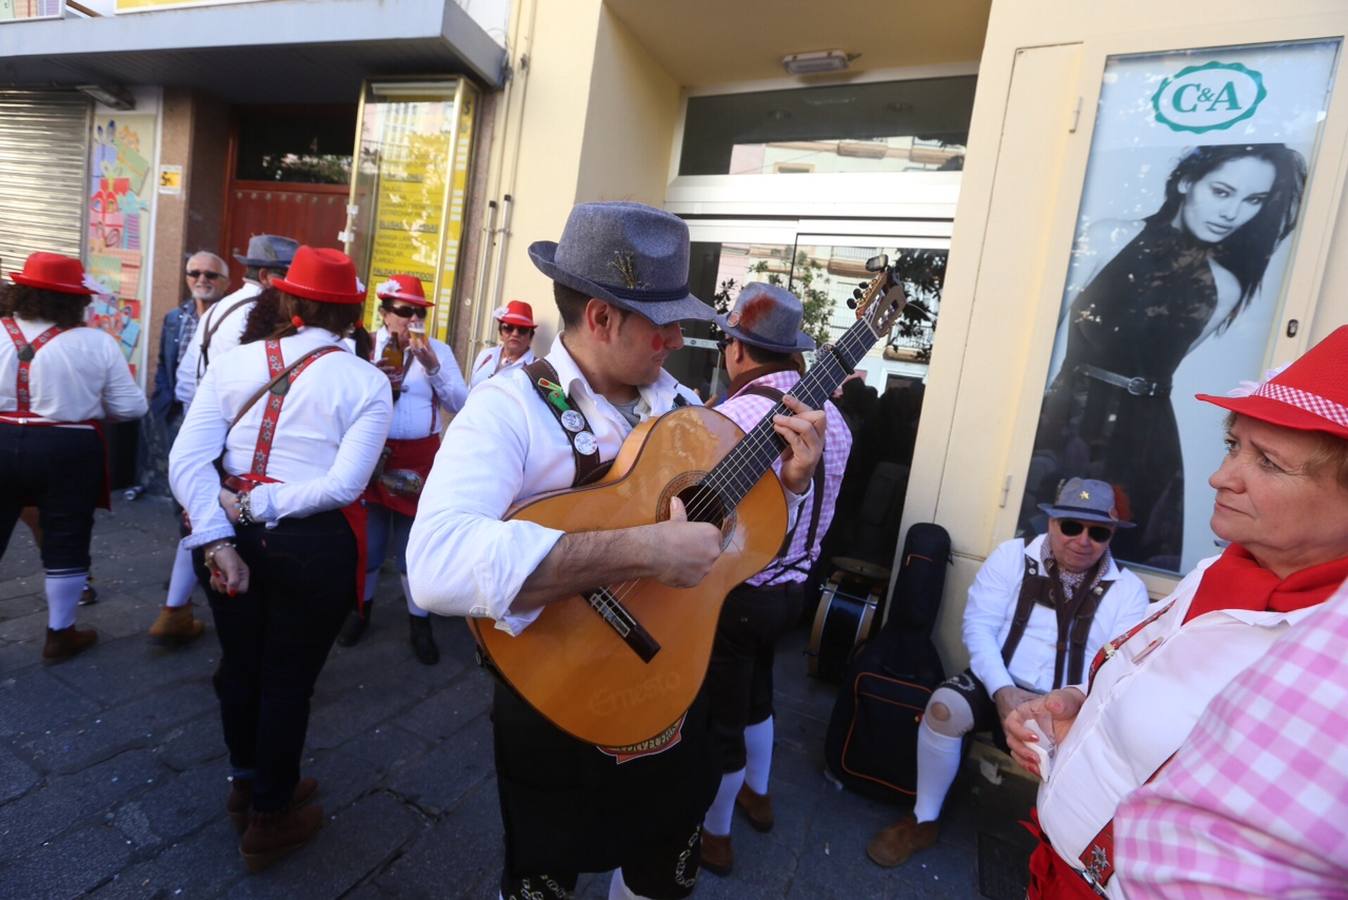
pixel 1031 591
pixel 773 394
pixel 572 421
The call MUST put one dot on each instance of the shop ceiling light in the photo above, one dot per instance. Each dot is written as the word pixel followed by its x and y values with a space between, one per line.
pixel 817 61
pixel 112 95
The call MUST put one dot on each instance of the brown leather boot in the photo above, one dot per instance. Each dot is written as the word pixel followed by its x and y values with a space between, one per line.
pixel 717 857
pixel 66 642
pixel 273 835
pixel 176 626
pixel 895 844
pixel 757 808
pixel 239 803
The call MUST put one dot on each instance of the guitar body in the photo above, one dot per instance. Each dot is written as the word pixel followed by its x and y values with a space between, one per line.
pixel 571 665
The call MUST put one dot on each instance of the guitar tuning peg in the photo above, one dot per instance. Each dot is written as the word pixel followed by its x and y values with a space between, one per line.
pixel 856 294
pixel 852 303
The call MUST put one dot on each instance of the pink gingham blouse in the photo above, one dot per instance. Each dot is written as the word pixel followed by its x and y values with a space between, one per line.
pixel 1256 801
pixel 745 410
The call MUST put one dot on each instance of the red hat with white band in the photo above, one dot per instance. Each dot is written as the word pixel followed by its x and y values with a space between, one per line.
pixel 1309 395
pixel 322 274
pixel 406 288
pixel 516 312
pixel 54 272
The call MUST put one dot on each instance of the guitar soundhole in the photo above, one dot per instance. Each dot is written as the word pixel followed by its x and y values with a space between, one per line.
pixel 703 504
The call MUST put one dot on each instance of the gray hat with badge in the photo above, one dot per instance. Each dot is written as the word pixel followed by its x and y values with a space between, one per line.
pixel 767 316
pixel 1086 500
pixel 628 254
pixel 269 251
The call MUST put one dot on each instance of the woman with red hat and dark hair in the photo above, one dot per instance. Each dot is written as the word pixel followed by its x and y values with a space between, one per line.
pixel 515 327
pixel 57 380
pixel 270 464
pixel 1282 503
pixel 425 378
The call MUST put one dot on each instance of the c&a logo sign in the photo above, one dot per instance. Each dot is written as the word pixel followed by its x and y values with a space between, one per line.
pixel 1209 97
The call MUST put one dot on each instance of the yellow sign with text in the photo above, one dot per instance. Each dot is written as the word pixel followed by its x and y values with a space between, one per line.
pixel 135 6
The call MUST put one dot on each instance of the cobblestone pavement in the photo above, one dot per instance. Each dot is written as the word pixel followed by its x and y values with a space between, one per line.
pixel 113 770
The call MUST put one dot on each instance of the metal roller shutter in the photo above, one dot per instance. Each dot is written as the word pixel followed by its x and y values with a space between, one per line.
pixel 44 158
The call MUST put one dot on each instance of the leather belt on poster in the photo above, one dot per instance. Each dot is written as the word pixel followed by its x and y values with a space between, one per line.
pixel 1138 387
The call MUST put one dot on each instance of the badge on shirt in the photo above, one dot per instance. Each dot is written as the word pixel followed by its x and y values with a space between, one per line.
pixel 573 421
pixel 586 444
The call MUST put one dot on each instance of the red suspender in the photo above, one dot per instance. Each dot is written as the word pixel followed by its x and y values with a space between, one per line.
pixel 266 432
pixel 26 352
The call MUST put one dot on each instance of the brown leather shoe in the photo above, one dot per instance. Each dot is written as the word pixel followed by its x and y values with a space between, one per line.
pixel 240 800
pixel 757 808
pixel 717 857
pixel 893 845
pixel 176 625
pixel 273 835
pixel 67 642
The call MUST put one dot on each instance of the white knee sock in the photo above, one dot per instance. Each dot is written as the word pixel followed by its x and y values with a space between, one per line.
pixel 412 608
pixel 938 762
pixel 758 755
pixel 63 595
pixel 182 579
pixel 618 889
pixel 717 820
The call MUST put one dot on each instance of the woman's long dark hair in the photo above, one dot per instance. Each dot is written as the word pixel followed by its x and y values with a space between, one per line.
pixel 64 310
pixel 1246 251
pixel 272 314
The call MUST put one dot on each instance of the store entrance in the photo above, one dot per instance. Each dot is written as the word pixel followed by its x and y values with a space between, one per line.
pixel 883 404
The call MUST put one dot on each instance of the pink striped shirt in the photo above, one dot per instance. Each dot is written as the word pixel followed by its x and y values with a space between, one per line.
pixel 1256 801
pixel 745 410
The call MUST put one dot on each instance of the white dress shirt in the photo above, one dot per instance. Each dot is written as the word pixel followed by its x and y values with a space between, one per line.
pixel 485 365
pixel 415 414
pixel 225 339
pixel 992 605
pixel 332 429
pixel 1144 702
pixel 78 375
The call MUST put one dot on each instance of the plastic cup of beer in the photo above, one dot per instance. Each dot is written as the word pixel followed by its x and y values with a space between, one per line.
pixel 416 330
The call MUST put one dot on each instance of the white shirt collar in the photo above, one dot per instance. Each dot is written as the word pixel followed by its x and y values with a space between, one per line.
pixel 657 395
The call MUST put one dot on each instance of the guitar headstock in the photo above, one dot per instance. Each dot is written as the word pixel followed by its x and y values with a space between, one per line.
pixel 882 299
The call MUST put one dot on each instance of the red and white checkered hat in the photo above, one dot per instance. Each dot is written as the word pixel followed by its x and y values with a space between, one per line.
pixel 1309 395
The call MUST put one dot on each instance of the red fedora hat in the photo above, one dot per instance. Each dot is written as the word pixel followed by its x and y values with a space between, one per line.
pixel 54 272
pixel 321 274
pixel 516 312
pixel 406 288
pixel 1309 395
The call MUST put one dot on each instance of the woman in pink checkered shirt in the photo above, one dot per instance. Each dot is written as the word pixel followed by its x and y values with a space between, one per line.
pixel 1282 502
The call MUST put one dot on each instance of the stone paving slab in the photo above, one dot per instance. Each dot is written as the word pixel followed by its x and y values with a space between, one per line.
pixel 113 771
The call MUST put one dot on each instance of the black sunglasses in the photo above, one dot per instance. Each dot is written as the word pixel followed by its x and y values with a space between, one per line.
pixel 406 312
pixel 197 273
pixel 515 329
pixel 1101 534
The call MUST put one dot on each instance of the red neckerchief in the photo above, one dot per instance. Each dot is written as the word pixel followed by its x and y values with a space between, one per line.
pixel 1237 581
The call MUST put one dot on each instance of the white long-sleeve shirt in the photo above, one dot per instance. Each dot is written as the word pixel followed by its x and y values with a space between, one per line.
pixel 226 337
pixel 331 431
pixel 78 375
pixel 415 414
pixel 992 606
pixel 485 366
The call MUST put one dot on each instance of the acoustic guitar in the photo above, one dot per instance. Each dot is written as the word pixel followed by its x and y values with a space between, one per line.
pixel 619 665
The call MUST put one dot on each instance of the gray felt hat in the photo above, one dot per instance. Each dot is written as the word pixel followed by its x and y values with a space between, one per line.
pixel 628 254
pixel 1086 500
pixel 269 251
pixel 767 316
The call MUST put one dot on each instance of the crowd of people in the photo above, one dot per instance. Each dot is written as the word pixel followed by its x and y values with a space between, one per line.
pixel 1194 747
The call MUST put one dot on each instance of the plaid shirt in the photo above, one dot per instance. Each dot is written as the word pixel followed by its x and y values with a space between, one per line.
pixel 1256 800
pixel 745 410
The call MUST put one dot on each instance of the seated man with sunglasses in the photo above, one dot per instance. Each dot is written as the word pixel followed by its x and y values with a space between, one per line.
pixel 1038 612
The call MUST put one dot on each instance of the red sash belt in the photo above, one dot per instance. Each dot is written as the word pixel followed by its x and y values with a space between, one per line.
pixel 415 455
pixel 1051 877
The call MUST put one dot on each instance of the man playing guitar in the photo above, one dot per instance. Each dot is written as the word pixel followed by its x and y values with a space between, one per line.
pixel 620 280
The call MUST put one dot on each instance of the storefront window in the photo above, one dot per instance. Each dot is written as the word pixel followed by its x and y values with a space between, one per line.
pixel 1187 222
pixel 892 126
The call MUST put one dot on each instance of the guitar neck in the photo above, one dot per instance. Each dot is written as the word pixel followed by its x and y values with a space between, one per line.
pixel 736 474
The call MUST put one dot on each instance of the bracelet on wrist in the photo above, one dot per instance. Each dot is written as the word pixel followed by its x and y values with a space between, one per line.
pixel 210 552
pixel 245 501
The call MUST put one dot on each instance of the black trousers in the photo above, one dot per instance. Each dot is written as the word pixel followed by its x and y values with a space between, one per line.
pixel 739 679
pixel 274 640
pixel 60 471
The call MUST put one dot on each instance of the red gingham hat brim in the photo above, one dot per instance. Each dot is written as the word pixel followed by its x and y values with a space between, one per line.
pixel 1276 412
pixel 406 298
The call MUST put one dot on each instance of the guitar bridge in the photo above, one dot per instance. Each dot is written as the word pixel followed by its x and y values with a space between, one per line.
pixel 633 634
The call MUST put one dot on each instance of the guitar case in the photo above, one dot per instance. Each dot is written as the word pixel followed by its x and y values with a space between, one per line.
pixel 871 743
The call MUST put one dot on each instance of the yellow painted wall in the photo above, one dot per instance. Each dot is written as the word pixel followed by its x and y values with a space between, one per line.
pixel 1014 227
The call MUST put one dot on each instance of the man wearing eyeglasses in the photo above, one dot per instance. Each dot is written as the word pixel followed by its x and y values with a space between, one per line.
pixel 1039 610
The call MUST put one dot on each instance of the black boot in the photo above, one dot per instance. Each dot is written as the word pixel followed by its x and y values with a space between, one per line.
pixel 423 643
pixel 355 626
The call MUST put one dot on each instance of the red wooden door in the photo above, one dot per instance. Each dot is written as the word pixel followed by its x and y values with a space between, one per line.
pixel 310 213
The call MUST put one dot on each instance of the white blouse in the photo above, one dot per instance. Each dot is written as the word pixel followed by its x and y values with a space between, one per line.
pixel 415 414
pixel 485 366
pixel 78 375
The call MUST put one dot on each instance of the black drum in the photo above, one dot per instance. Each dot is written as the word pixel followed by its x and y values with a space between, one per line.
pixel 848 613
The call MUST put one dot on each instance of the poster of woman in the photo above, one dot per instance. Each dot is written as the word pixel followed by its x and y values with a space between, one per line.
pixel 1197 174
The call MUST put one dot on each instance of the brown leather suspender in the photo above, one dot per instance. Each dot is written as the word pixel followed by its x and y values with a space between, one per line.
pixel 1074 615
pixel 544 378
